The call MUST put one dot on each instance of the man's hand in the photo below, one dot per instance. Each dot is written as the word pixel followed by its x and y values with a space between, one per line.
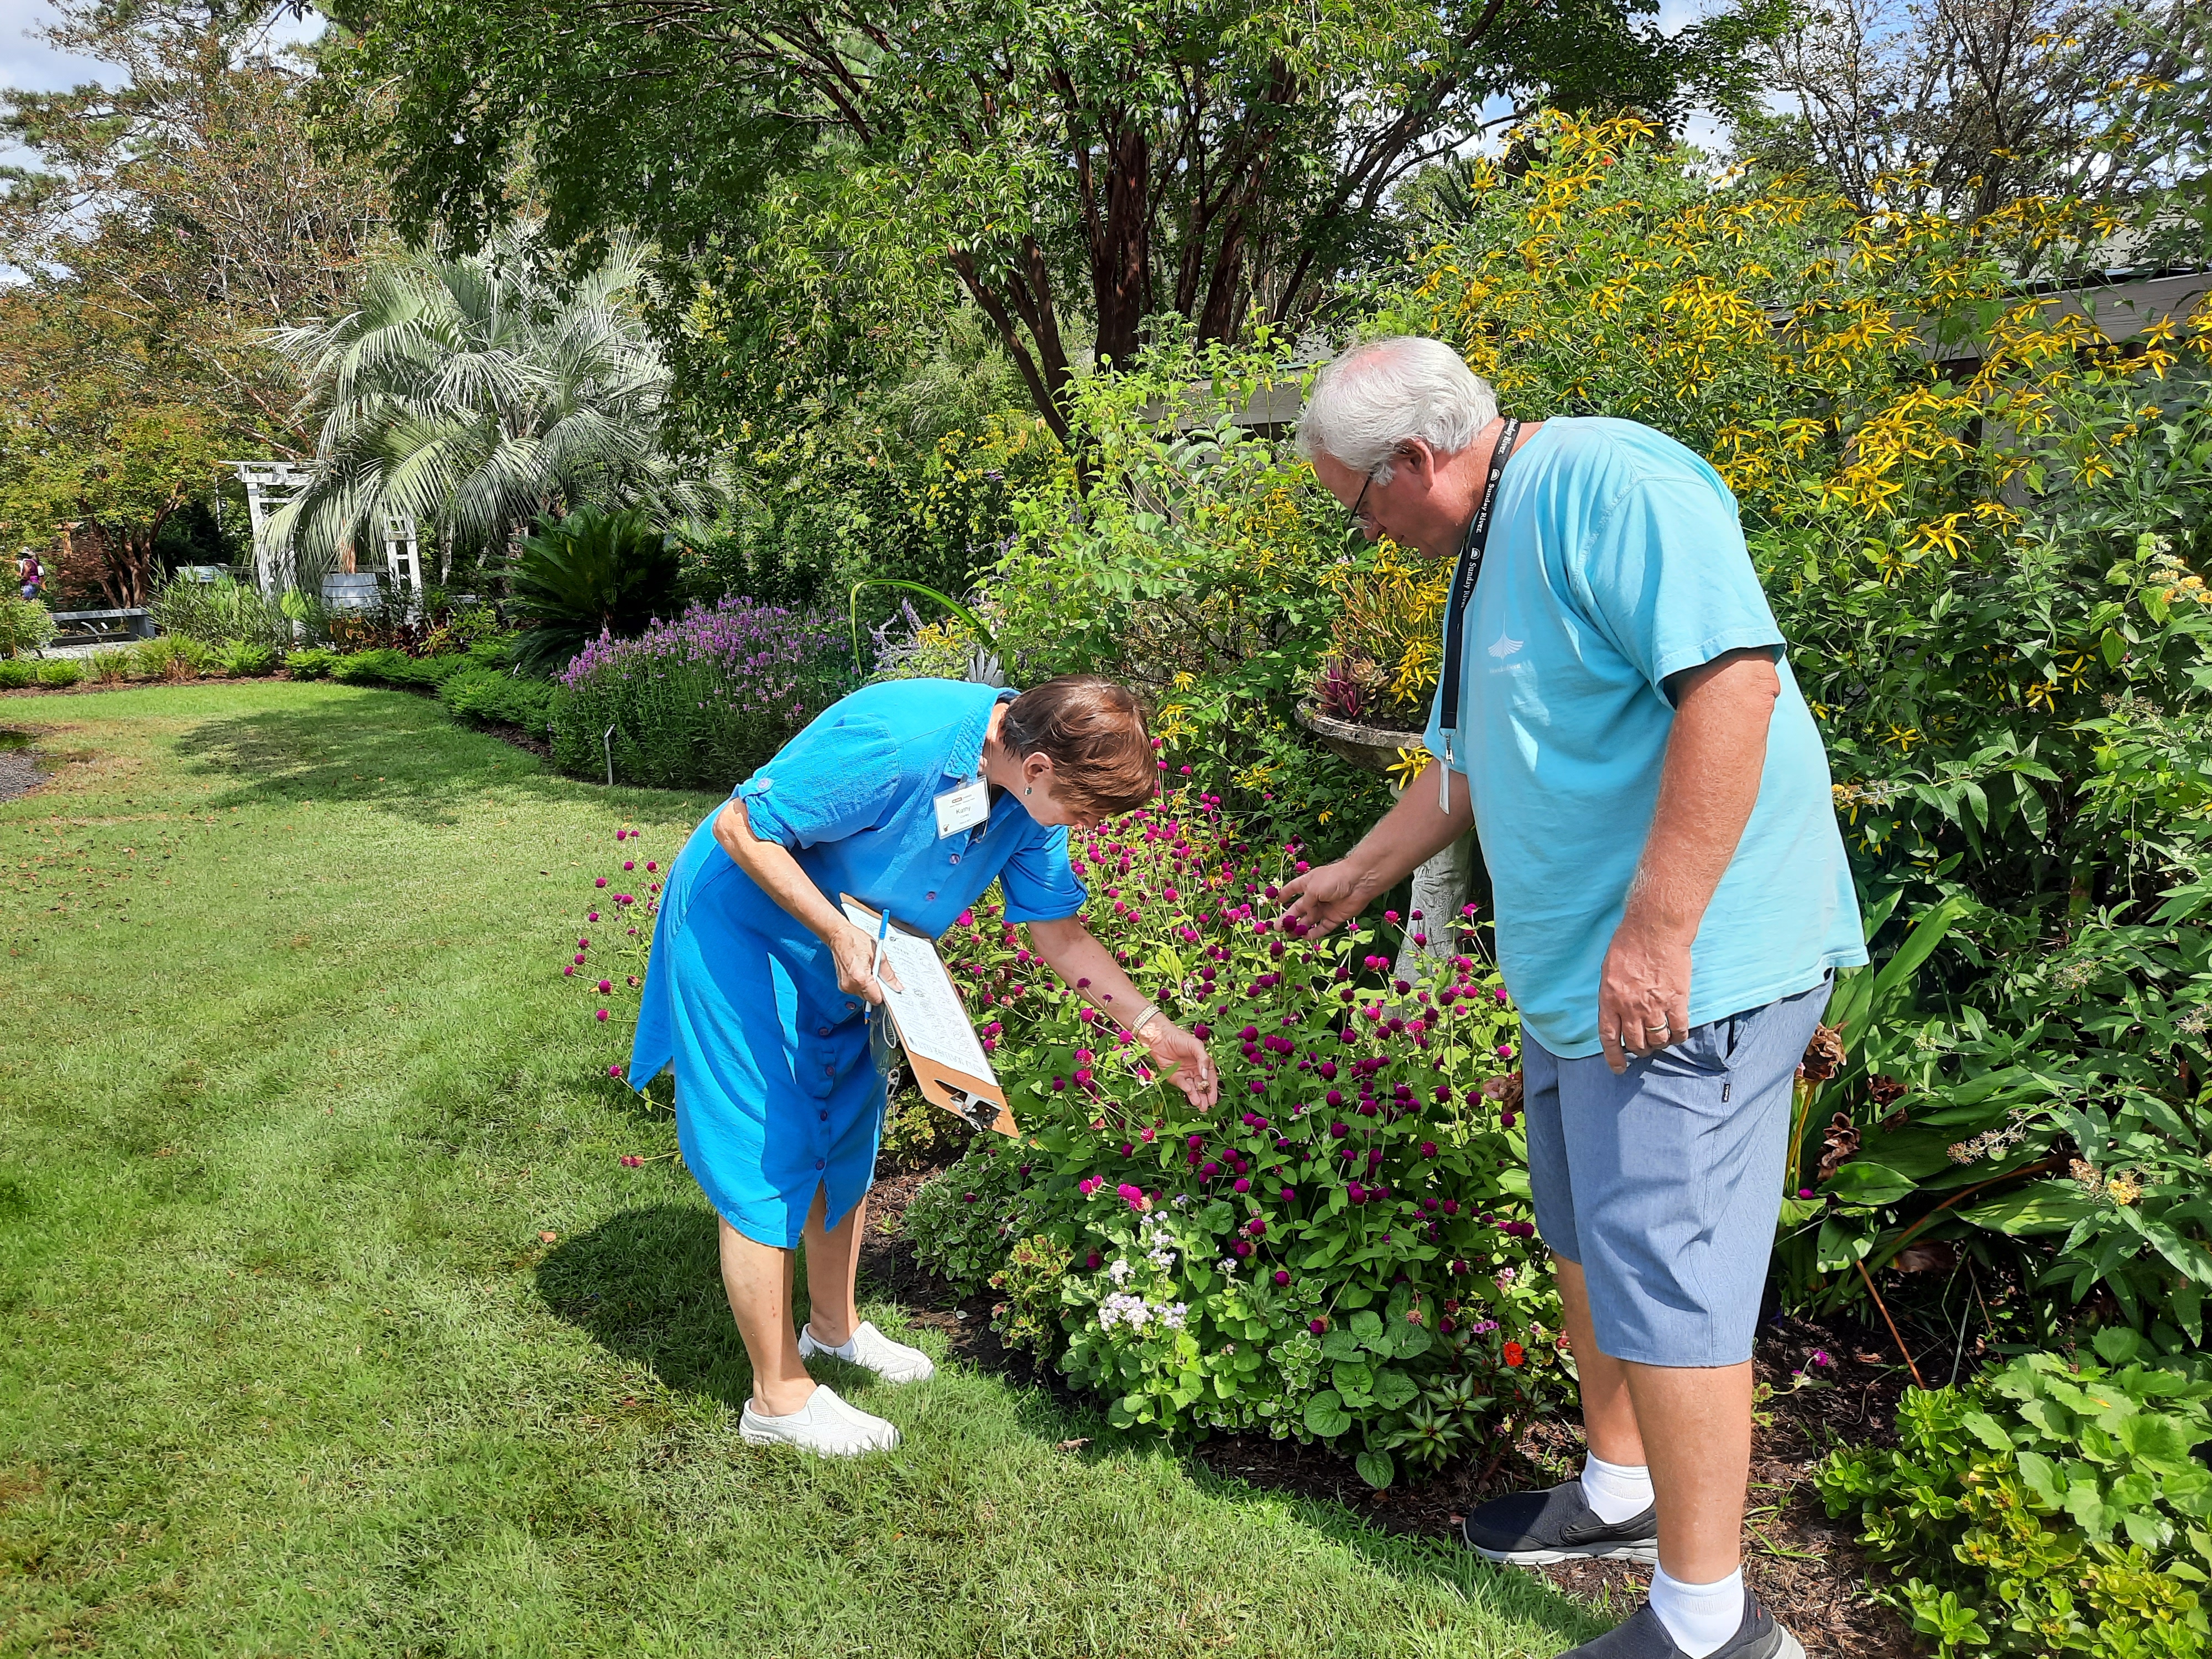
pixel 854 952
pixel 1643 993
pixel 1325 899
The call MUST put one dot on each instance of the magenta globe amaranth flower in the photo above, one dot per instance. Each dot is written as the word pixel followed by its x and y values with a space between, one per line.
pixel 602 1014
pixel 1282 1277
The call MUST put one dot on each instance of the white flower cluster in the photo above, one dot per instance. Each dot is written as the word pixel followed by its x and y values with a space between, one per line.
pixel 1123 1308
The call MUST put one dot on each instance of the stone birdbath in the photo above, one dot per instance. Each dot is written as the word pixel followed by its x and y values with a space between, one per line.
pixel 1440 885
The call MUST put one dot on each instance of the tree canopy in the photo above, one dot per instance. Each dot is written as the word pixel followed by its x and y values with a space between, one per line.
pixel 823 174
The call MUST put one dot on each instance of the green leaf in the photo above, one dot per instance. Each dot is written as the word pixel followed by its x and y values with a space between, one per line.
pixel 2116 1344
pixel 1394 1390
pixel 1987 1429
pixel 1376 1469
pixel 1367 1325
pixel 1864 1181
pixel 2113 647
pixel 1325 1416
pixel 2155 1441
pixel 2040 1475
pixel 2038 1206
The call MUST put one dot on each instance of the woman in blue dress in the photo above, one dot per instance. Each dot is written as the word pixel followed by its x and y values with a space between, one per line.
pixel 911 796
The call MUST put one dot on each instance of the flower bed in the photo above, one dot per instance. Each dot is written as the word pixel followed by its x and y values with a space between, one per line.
pixel 700 701
pixel 1341 1251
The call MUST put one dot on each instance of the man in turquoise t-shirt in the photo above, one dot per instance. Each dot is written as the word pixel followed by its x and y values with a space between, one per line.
pixel 1652 801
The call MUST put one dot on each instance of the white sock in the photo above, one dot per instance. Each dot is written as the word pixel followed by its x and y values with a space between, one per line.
pixel 1615 1490
pixel 843 1351
pixel 1699 1617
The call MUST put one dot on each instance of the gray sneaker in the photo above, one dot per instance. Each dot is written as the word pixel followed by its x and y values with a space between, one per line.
pixel 1535 1529
pixel 1642 1636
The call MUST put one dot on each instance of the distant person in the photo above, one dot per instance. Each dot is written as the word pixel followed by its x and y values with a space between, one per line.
pixel 30 575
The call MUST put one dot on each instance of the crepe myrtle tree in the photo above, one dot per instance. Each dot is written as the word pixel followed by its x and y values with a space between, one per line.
pixel 826 174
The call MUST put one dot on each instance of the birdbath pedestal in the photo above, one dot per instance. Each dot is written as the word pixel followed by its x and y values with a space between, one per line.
pixel 1440 885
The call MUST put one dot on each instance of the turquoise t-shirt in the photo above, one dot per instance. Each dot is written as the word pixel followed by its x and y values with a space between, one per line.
pixel 1616 561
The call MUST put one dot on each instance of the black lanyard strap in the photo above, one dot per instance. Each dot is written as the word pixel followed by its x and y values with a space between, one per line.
pixel 1465 572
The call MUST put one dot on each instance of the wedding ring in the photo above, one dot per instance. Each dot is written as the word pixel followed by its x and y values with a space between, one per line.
pixel 1650 1029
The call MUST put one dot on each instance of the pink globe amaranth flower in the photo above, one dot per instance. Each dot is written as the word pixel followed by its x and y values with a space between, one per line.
pixel 569 970
pixel 1428 1149
pixel 601 881
pixel 614 1070
pixel 967 1198
pixel 628 864
pixel 602 1014
pixel 1451 1206
pixel 633 981
pixel 1290 1195
pixel 1240 1185
pixel 1821 1357
pixel 1316 1325
pixel 1240 1249
pixel 652 865
pixel 605 985
pixel 1090 1261
pixel 1804 1192
pixel 1355 1193
pixel 1506 1120
pixel 593 916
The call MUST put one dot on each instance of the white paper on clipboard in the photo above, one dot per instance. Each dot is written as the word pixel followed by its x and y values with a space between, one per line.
pixel 933 1025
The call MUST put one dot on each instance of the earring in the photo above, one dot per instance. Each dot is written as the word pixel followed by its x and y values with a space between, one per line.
pixel 1026 794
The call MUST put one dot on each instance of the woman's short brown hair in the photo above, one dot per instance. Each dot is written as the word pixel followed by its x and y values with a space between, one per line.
pixel 1093 731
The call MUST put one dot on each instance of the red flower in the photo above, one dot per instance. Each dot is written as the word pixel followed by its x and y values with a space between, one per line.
pixel 1516 1354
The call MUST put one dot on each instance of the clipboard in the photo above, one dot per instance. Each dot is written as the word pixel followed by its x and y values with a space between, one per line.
pixel 942 1049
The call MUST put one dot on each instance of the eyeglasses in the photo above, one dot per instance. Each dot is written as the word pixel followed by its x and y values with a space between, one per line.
pixel 1355 519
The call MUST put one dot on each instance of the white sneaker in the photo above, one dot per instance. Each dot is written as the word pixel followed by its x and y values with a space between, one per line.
pixel 894 1362
pixel 824 1425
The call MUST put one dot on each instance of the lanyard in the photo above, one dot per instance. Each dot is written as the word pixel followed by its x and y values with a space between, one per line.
pixel 1465 573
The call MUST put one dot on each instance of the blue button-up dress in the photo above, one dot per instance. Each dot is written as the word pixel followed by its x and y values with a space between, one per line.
pixel 775 1093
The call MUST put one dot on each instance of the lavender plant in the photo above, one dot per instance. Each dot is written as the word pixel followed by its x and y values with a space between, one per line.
pixel 700 700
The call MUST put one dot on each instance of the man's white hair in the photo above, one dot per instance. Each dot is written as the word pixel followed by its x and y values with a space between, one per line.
pixel 1380 395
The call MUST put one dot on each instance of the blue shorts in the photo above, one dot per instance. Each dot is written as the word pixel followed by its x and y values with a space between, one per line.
pixel 1663 1184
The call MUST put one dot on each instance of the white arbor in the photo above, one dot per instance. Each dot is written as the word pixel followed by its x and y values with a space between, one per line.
pixel 269 485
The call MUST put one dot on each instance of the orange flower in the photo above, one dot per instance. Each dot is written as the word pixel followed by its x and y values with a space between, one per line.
pixel 1516 1354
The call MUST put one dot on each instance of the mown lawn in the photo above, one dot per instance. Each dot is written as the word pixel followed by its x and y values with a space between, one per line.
pixel 290 1092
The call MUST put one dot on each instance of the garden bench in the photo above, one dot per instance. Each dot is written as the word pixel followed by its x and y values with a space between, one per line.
pixel 102 627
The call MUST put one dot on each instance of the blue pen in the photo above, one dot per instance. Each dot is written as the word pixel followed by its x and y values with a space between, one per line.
pixel 883 933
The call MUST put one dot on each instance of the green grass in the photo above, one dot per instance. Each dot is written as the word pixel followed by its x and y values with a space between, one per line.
pixel 291 1088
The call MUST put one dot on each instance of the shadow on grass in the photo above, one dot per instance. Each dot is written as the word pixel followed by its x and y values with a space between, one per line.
pixel 646 1284
pixel 389 749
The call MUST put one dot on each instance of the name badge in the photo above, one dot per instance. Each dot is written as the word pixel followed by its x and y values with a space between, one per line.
pixel 962 808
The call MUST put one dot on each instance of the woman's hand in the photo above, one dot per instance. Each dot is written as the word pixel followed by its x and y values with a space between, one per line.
pixel 855 951
pixel 1186 1063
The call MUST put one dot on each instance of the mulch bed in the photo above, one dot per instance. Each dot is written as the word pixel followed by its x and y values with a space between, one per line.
pixel 1800 1564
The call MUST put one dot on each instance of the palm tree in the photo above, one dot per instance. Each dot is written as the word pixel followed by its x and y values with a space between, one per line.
pixel 474 394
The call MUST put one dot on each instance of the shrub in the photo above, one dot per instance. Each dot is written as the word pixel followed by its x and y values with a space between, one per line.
pixel 111 667
pixel 244 659
pixel 16 673
pixel 919 1135
pixel 1193 560
pixel 702 700
pixel 2053 1508
pixel 218 612
pixel 590 574
pixel 171 657
pixel 25 625
pixel 314 663
pixel 485 695
pixel 379 665
pixel 61 671
pixel 1348 1254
